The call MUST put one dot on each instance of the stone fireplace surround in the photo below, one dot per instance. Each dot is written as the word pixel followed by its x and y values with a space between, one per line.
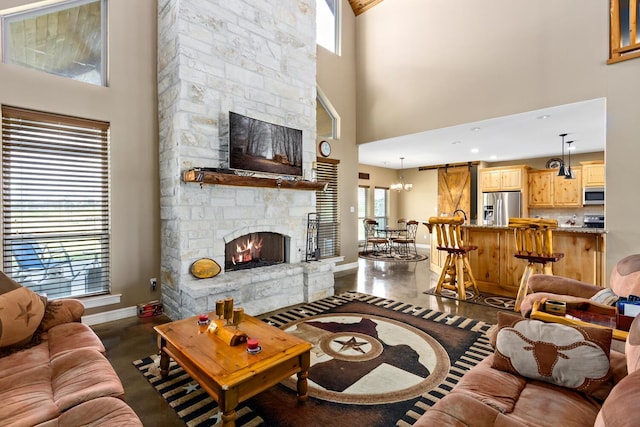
pixel 258 59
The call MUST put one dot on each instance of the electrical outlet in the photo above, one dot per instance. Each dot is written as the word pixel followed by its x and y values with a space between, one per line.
pixel 153 283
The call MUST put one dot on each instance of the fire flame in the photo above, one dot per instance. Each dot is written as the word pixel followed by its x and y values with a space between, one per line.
pixel 247 250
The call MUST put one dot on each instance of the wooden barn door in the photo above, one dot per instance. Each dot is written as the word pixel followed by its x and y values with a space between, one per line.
pixel 454 190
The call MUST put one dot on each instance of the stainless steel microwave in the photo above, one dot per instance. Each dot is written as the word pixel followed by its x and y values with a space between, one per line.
pixel 593 196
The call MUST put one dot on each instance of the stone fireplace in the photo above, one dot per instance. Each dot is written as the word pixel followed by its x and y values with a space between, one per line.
pixel 256 59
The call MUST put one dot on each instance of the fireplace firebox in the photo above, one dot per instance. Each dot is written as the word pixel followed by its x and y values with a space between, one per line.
pixel 255 250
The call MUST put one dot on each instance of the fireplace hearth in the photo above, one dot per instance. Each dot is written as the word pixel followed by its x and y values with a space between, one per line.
pixel 255 250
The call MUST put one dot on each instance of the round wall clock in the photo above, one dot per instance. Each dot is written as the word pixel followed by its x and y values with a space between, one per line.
pixel 554 163
pixel 325 148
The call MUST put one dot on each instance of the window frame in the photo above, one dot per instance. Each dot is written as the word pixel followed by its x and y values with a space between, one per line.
pixel 331 112
pixel 29 11
pixel 337 20
pixel 56 199
pixel 383 221
pixel 618 52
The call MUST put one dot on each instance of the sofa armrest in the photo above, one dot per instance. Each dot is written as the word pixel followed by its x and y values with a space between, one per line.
pixel 621 408
pixel 562 286
pixel 61 311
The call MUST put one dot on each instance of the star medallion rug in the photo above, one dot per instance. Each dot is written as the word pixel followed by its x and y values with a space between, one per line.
pixel 374 362
pixel 490 300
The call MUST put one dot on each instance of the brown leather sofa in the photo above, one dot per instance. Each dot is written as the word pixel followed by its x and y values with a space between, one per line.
pixel 61 376
pixel 486 396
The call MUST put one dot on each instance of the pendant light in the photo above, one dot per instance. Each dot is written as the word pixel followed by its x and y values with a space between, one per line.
pixel 562 170
pixel 401 185
pixel 568 173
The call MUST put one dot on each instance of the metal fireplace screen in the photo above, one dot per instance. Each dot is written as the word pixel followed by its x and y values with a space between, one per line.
pixel 255 250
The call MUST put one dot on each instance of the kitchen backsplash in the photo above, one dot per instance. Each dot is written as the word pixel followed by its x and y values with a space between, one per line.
pixel 566 215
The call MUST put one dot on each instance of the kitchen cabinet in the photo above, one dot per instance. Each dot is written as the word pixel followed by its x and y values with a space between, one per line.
pixel 498 272
pixel 541 188
pixel 509 178
pixel 548 190
pixel 592 174
pixel 568 192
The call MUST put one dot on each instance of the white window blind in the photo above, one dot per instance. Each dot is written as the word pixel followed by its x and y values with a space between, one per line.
pixel 363 204
pixel 55 202
pixel 327 208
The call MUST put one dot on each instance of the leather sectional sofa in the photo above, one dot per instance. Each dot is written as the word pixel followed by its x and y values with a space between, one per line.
pixel 59 375
pixel 486 396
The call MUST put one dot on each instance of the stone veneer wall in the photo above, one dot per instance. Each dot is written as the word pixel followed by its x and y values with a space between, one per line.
pixel 255 58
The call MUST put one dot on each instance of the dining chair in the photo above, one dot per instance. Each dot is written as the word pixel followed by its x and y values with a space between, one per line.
pixel 378 244
pixel 534 244
pixel 402 244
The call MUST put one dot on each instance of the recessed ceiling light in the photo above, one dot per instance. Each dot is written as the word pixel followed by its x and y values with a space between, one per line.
pixel 544 116
pixel 474 150
pixel 475 129
pixel 456 142
pixel 493 157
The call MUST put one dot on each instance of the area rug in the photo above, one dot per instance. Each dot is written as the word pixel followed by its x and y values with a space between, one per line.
pixel 490 300
pixel 381 256
pixel 374 362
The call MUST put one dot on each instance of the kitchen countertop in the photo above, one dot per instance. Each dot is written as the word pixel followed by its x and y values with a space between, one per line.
pixel 572 229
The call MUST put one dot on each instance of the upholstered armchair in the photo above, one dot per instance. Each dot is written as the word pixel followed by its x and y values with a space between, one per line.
pixel 624 281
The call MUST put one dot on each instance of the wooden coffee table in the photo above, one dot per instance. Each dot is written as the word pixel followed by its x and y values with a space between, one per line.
pixel 229 373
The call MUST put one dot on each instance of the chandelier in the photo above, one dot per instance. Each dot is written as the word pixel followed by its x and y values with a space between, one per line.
pixel 401 185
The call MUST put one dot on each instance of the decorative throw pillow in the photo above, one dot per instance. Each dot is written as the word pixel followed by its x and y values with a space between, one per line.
pixel 21 311
pixel 569 356
pixel 7 283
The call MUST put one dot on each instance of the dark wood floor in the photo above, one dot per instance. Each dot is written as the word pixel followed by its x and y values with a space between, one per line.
pixel 130 339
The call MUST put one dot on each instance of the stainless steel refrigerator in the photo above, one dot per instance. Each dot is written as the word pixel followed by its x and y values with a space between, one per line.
pixel 499 206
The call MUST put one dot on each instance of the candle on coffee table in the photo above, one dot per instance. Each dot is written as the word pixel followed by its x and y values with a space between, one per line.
pixel 220 308
pixel 238 314
pixel 228 309
pixel 252 343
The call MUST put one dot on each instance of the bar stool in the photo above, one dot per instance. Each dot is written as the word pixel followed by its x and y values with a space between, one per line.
pixel 534 243
pixel 456 273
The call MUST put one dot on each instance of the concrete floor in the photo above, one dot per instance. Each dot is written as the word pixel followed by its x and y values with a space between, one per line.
pixel 130 339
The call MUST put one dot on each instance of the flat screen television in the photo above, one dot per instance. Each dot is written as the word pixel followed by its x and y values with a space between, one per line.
pixel 259 146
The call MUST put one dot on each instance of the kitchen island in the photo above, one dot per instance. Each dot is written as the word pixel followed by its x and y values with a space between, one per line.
pixel 498 272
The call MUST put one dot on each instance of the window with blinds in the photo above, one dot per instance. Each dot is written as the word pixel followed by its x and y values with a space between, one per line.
pixel 55 202
pixel 363 204
pixel 327 208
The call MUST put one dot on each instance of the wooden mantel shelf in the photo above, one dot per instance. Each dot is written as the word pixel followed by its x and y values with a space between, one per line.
pixel 209 177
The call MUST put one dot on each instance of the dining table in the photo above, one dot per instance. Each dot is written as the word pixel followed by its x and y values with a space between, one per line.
pixel 390 233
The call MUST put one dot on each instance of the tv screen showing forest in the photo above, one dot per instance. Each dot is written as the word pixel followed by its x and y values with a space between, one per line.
pixel 259 146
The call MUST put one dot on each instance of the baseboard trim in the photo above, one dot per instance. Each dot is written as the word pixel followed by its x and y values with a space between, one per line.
pixel 343 267
pixel 109 316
